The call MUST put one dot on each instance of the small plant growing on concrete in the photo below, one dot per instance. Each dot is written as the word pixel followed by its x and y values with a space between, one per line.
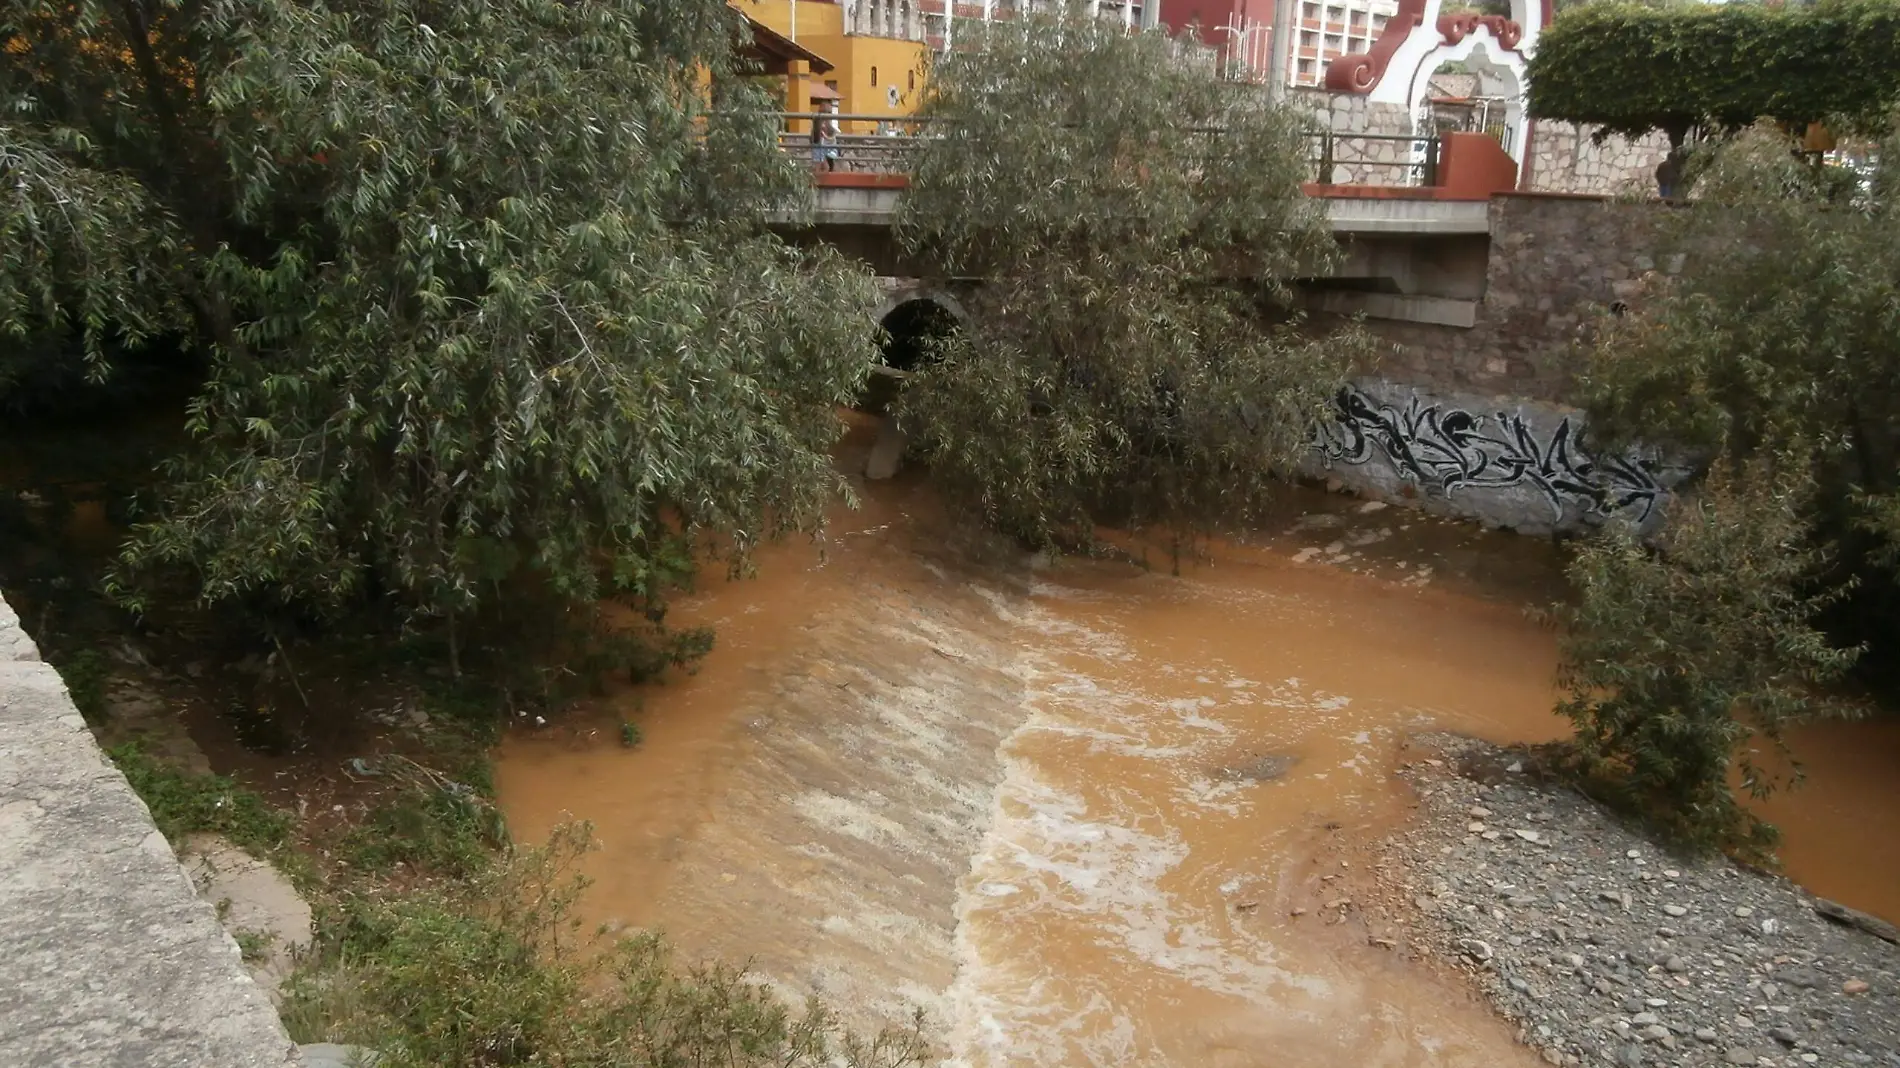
pixel 253 946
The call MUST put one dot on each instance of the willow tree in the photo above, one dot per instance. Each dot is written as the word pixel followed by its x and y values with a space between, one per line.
pixel 1775 351
pixel 484 287
pixel 1133 354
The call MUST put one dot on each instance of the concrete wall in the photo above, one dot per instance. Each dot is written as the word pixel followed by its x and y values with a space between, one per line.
pixel 107 955
pixel 1474 421
pixel 1507 462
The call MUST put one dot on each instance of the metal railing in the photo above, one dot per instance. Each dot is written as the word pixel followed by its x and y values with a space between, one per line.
pixel 865 144
pixel 881 144
pixel 1355 159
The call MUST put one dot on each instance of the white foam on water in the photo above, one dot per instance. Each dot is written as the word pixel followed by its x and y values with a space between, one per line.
pixel 1092 868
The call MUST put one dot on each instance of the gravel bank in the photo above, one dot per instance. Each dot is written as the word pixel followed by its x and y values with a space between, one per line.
pixel 1606 950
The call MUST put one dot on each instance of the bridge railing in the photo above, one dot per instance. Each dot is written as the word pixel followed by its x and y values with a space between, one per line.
pixel 1374 159
pixel 881 144
pixel 889 147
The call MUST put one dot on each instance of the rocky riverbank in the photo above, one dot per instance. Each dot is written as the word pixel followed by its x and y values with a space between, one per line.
pixel 1607 950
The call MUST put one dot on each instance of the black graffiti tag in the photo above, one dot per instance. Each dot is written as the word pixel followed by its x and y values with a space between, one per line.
pixel 1454 449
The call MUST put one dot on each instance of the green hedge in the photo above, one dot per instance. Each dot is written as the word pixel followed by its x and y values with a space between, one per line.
pixel 1634 69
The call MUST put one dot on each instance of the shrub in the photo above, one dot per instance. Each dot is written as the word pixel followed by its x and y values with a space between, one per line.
pixel 1677 658
pixel 1133 355
pixel 494 972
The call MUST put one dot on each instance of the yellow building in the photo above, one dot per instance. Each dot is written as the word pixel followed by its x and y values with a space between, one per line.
pixel 872 74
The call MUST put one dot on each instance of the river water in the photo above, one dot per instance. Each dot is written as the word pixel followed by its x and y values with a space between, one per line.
pixel 1071 811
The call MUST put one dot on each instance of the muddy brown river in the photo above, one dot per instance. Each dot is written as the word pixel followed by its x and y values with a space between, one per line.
pixel 1064 809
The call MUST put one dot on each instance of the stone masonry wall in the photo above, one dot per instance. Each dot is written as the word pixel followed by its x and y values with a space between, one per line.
pixel 1564 159
pixel 1478 422
pixel 107 955
pixel 1552 259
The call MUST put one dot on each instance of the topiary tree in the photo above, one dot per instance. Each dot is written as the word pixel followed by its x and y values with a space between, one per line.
pixel 1629 68
pixel 485 287
pixel 1133 221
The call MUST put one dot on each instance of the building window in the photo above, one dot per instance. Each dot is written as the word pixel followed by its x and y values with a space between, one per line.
pixel 1306 68
pixel 874 75
pixel 1378 22
pixel 1309 39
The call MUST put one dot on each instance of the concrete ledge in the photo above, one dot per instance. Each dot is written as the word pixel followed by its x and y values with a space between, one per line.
pixel 107 956
pixel 875 205
pixel 1437 311
pixel 1364 215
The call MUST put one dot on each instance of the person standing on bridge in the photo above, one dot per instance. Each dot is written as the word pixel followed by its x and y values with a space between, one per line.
pixel 824 140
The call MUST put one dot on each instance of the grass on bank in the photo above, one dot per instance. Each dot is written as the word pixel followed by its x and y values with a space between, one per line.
pixel 184 803
pixel 440 944
pixel 494 970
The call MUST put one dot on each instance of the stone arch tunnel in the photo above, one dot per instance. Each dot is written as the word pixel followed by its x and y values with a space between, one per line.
pixel 911 326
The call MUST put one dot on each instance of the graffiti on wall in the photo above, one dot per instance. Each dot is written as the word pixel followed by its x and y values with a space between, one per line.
pixel 1452 449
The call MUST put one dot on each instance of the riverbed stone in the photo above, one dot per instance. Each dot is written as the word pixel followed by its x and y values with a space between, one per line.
pixel 1707 988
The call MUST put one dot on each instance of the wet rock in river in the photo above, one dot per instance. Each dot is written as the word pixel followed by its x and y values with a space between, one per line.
pixel 1265 768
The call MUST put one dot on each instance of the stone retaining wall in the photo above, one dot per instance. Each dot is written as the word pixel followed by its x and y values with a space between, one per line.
pixel 1478 421
pixel 107 956
pixel 1552 261
pixel 1358 162
pixel 1564 159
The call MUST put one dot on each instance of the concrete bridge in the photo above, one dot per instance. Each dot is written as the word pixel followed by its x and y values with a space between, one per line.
pixel 1412 251
pixel 1482 292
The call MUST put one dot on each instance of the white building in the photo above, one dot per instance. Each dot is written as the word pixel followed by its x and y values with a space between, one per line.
pixel 1326 29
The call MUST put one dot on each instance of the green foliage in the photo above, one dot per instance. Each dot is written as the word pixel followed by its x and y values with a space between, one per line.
pixel 85 673
pixel 436 830
pixel 1780 337
pixel 1134 222
pixel 1775 352
pixel 1678 658
pixel 485 288
pixel 1728 355
pixel 494 972
pixel 183 803
pixel 1632 68
pixel 88 251
pixel 253 946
